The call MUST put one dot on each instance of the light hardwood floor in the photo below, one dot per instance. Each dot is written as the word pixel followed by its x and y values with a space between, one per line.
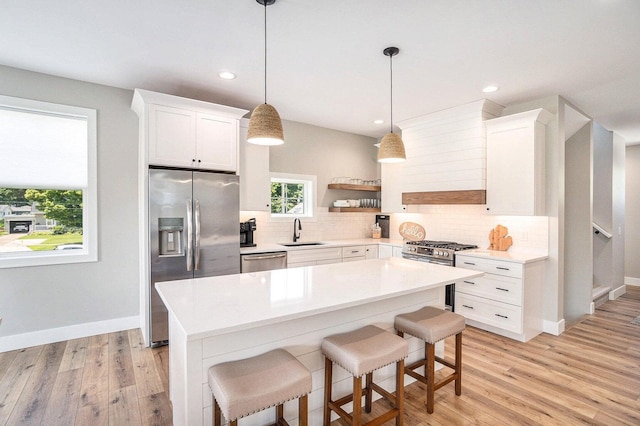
pixel 588 375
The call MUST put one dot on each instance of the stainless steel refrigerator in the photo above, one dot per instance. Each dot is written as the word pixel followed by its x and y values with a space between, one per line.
pixel 193 232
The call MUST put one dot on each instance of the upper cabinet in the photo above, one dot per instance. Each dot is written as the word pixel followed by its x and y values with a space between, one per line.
pixel 255 182
pixel 515 163
pixel 180 132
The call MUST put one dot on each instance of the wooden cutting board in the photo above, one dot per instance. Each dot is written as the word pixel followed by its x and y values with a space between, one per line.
pixel 498 238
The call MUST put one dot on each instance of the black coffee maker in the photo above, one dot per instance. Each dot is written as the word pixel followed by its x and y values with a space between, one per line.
pixel 246 233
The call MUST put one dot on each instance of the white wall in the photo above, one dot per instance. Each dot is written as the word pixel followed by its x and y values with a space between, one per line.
pixel 602 205
pixel 49 303
pixel 325 153
pixel 632 213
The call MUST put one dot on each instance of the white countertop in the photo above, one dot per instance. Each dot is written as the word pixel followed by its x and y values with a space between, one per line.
pixel 272 247
pixel 216 305
pixel 507 256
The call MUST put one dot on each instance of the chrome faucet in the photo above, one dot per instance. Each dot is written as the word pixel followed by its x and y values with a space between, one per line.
pixel 296 232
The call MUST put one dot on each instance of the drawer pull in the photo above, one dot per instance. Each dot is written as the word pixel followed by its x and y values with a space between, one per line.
pixel 467 306
pixel 502 316
pixel 502 289
pixel 502 267
pixel 469 263
pixel 469 282
pixel 355 251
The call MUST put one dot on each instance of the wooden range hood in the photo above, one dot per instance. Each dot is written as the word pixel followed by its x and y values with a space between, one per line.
pixel 446 197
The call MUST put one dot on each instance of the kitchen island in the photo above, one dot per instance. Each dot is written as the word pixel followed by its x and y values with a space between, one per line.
pixel 217 319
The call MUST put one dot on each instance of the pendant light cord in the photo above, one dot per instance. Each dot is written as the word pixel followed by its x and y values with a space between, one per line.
pixel 265 51
pixel 391 73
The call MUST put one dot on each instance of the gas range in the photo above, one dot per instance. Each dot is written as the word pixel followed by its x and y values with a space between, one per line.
pixel 441 252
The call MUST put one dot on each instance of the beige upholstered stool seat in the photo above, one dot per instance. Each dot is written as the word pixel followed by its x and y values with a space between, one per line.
pixel 364 350
pixel 253 384
pixel 430 324
pixel 360 352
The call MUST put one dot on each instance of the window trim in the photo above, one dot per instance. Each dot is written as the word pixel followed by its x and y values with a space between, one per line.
pixel 89 252
pixel 312 204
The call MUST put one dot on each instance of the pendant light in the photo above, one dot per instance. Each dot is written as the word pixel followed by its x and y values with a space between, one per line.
pixel 391 147
pixel 265 126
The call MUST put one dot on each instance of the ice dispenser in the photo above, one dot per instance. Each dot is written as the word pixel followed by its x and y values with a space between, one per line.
pixel 171 229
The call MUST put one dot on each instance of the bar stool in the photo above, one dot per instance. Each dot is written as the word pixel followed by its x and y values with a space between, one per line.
pixel 432 325
pixel 254 384
pixel 360 352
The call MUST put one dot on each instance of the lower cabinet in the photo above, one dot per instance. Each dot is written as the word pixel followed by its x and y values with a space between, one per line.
pixel 316 256
pixel 507 300
pixel 353 253
pixel 388 250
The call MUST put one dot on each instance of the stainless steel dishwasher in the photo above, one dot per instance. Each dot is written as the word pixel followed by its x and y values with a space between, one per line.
pixel 263 261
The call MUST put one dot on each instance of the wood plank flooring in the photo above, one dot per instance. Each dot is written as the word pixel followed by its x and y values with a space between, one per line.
pixel 588 375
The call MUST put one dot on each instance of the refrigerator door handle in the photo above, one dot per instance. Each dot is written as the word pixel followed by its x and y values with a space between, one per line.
pixel 189 237
pixel 197 223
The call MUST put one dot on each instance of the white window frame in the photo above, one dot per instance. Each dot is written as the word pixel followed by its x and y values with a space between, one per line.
pixel 310 198
pixel 89 252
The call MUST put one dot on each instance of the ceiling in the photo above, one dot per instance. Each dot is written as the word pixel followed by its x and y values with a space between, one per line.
pixel 325 61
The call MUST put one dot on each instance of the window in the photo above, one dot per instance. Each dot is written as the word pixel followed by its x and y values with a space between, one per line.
pixel 292 196
pixel 48 197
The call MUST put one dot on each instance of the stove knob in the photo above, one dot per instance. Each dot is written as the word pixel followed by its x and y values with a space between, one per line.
pixel 446 254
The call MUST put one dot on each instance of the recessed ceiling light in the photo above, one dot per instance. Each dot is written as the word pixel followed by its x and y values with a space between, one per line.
pixel 226 75
pixel 490 89
pixel 378 121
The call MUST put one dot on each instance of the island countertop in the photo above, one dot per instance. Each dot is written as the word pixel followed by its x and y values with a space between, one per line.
pixel 205 307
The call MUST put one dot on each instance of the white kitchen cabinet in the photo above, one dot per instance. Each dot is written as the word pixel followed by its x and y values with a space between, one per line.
pixel 353 253
pixel 384 251
pixel 180 132
pixel 507 300
pixel 515 163
pixel 391 191
pixel 389 250
pixel 316 256
pixel 255 181
pixel 371 251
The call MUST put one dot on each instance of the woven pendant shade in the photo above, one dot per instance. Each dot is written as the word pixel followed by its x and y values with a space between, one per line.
pixel 391 149
pixel 265 126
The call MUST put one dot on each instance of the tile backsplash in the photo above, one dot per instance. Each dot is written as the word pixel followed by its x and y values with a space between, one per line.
pixel 469 224
pixel 326 226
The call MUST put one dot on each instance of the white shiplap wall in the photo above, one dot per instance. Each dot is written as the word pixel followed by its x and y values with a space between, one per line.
pixel 446 150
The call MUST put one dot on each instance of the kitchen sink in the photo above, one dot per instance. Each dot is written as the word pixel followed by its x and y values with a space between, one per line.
pixel 299 244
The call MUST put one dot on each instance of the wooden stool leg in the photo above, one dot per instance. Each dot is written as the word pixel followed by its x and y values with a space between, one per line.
pixel 233 422
pixel 328 369
pixel 279 413
pixel 368 396
pixel 458 364
pixel 217 414
pixel 357 402
pixel 400 392
pixel 430 374
pixel 303 411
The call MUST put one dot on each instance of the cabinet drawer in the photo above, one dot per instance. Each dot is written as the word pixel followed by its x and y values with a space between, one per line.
pixel 494 287
pixel 307 255
pixel 353 259
pixel 501 315
pixel 354 251
pixel 508 269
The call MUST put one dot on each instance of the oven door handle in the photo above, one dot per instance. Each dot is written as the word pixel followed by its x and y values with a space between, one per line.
pixel 426 260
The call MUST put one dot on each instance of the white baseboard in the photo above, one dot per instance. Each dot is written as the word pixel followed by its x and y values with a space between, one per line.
pixel 43 337
pixel 631 281
pixel 617 292
pixel 551 327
